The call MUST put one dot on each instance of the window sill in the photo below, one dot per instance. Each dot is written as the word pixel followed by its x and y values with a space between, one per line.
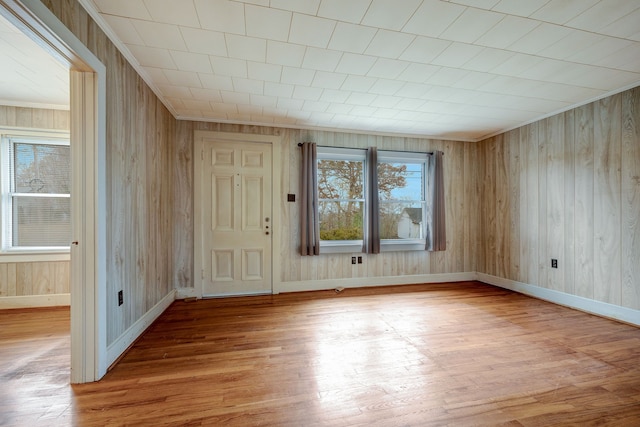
pixel 341 246
pixel 402 245
pixel 34 256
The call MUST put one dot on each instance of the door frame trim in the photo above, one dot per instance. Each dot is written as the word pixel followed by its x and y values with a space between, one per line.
pixel 276 199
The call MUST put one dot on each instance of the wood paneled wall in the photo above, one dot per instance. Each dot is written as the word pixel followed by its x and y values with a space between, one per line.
pixel 139 136
pixel 34 278
pixel 462 189
pixel 567 187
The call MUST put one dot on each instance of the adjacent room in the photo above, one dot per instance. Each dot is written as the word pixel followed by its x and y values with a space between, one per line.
pixel 320 212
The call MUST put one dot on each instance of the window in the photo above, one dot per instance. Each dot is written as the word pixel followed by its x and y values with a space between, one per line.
pixel 344 209
pixel 35 193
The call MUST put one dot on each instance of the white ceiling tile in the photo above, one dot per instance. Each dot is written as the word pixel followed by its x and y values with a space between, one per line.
pixel 433 17
pixel 160 35
pixel 262 71
pixel 471 25
pixel 210 81
pixel 602 14
pixel 409 104
pixel 152 57
pixel 249 48
pixel 309 7
pixel 311 30
pixel 599 50
pixel 264 101
pixel 351 63
pixel 517 64
pixel 351 37
pixel 175 91
pixel 481 4
pixel 418 73
pixel 307 93
pixel 285 53
pixel 622 57
pixel 386 87
pixel 124 28
pixel 362 109
pixel 539 38
pixel 321 59
pixel 221 15
pixel 124 8
pixel 278 89
pixel 204 41
pixel 473 80
pixel 267 23
pixel 413 90
pixel 389 44
pixel 457 54
pixel 519 8
pixel 390 14
pixel 157 75
pixel 561 11
pixel 385 101
pixel 223 108
pixel 544 69
pixel 576 41
pixel 387 68
pixel 235 97
pixel 348 11
pixel 229 66
pixel 290 104
pixel 182 78
pixel 196 104
pixel 172 12
pixel 186 61
pixel 339 107
pixel 447 76
pixel 606 79
pixel 209 95
pixel 250 86
pixel 297 76
pixel 358 83
pixel 328 80
pixel 625 27
pixel 488 59
pixel 424 49
pixel 335 96
pixel 507 31
pixel 315 106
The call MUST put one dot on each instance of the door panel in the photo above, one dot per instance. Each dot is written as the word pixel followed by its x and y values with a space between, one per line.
pixel 236 232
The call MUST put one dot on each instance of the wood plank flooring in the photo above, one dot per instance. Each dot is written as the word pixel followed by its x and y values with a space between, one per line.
pixel 464 354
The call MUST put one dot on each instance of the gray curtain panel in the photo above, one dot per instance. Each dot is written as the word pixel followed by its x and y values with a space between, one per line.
pixel 309 220
pixel 372 233
pixel 436 236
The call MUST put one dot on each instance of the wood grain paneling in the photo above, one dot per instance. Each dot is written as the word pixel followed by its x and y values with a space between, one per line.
pixel 140 133
pixel 579 202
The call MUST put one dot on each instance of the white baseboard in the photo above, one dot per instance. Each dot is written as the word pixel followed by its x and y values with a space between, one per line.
pixel 53 300
pixel 182 293
pixel 603 309
pixel 124 341
pixel 363 282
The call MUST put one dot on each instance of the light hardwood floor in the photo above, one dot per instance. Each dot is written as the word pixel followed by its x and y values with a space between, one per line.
pixel 448 354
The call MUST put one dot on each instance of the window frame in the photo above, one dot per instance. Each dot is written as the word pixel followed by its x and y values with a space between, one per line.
pixel 8 137
pixel 351 154
pixel 384 156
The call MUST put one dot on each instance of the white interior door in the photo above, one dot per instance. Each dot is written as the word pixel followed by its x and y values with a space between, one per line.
pixel 236 223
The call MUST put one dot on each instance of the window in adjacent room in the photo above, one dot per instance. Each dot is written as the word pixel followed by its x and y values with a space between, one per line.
pixel 36 186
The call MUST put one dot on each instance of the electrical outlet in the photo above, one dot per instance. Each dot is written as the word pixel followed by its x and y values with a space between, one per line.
pixel 554 263
pixel 359 260
pixel 120 298
pixel 353 260
pixel 291 197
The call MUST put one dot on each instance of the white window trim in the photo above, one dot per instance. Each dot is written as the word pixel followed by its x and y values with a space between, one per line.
pixel 358 154
pixel 20 254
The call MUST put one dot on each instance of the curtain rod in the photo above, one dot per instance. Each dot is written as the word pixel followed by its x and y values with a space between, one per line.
pixel 329 146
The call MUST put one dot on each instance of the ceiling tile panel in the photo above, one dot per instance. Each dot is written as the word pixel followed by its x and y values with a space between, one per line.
pixel 125 8
pixel 355 64
pixel 186 61
pixel 262 71
pixel 626 27
pixel 327 80
pixel 335 96
pixel 507 32
pixel 172 12
pixel 387 68
pixel 418 73
pixel 160 35
pixel 457 54
pixel 471 25
pixel 541 37
pixel 221 15
pixel 561 11
pixel 321 59
pixel 250 86
pixel 602 14
pixel 390 14
pixel 519 8
pixel 348 11
pixel 297 76
pixel 210 81
pixel 389 44
pixel 267 23
pixel 229 66
pixel 386 87
pixel 433 17
pixel 424 49
pixel 183 78
pixel 249 48
pixel 285 53
pixel 309 7
pixel 311 31
pixel 278 89
pixel 203 41
pixel 125 29
pixel 351 37
pixel 154 57
pixel 487 59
